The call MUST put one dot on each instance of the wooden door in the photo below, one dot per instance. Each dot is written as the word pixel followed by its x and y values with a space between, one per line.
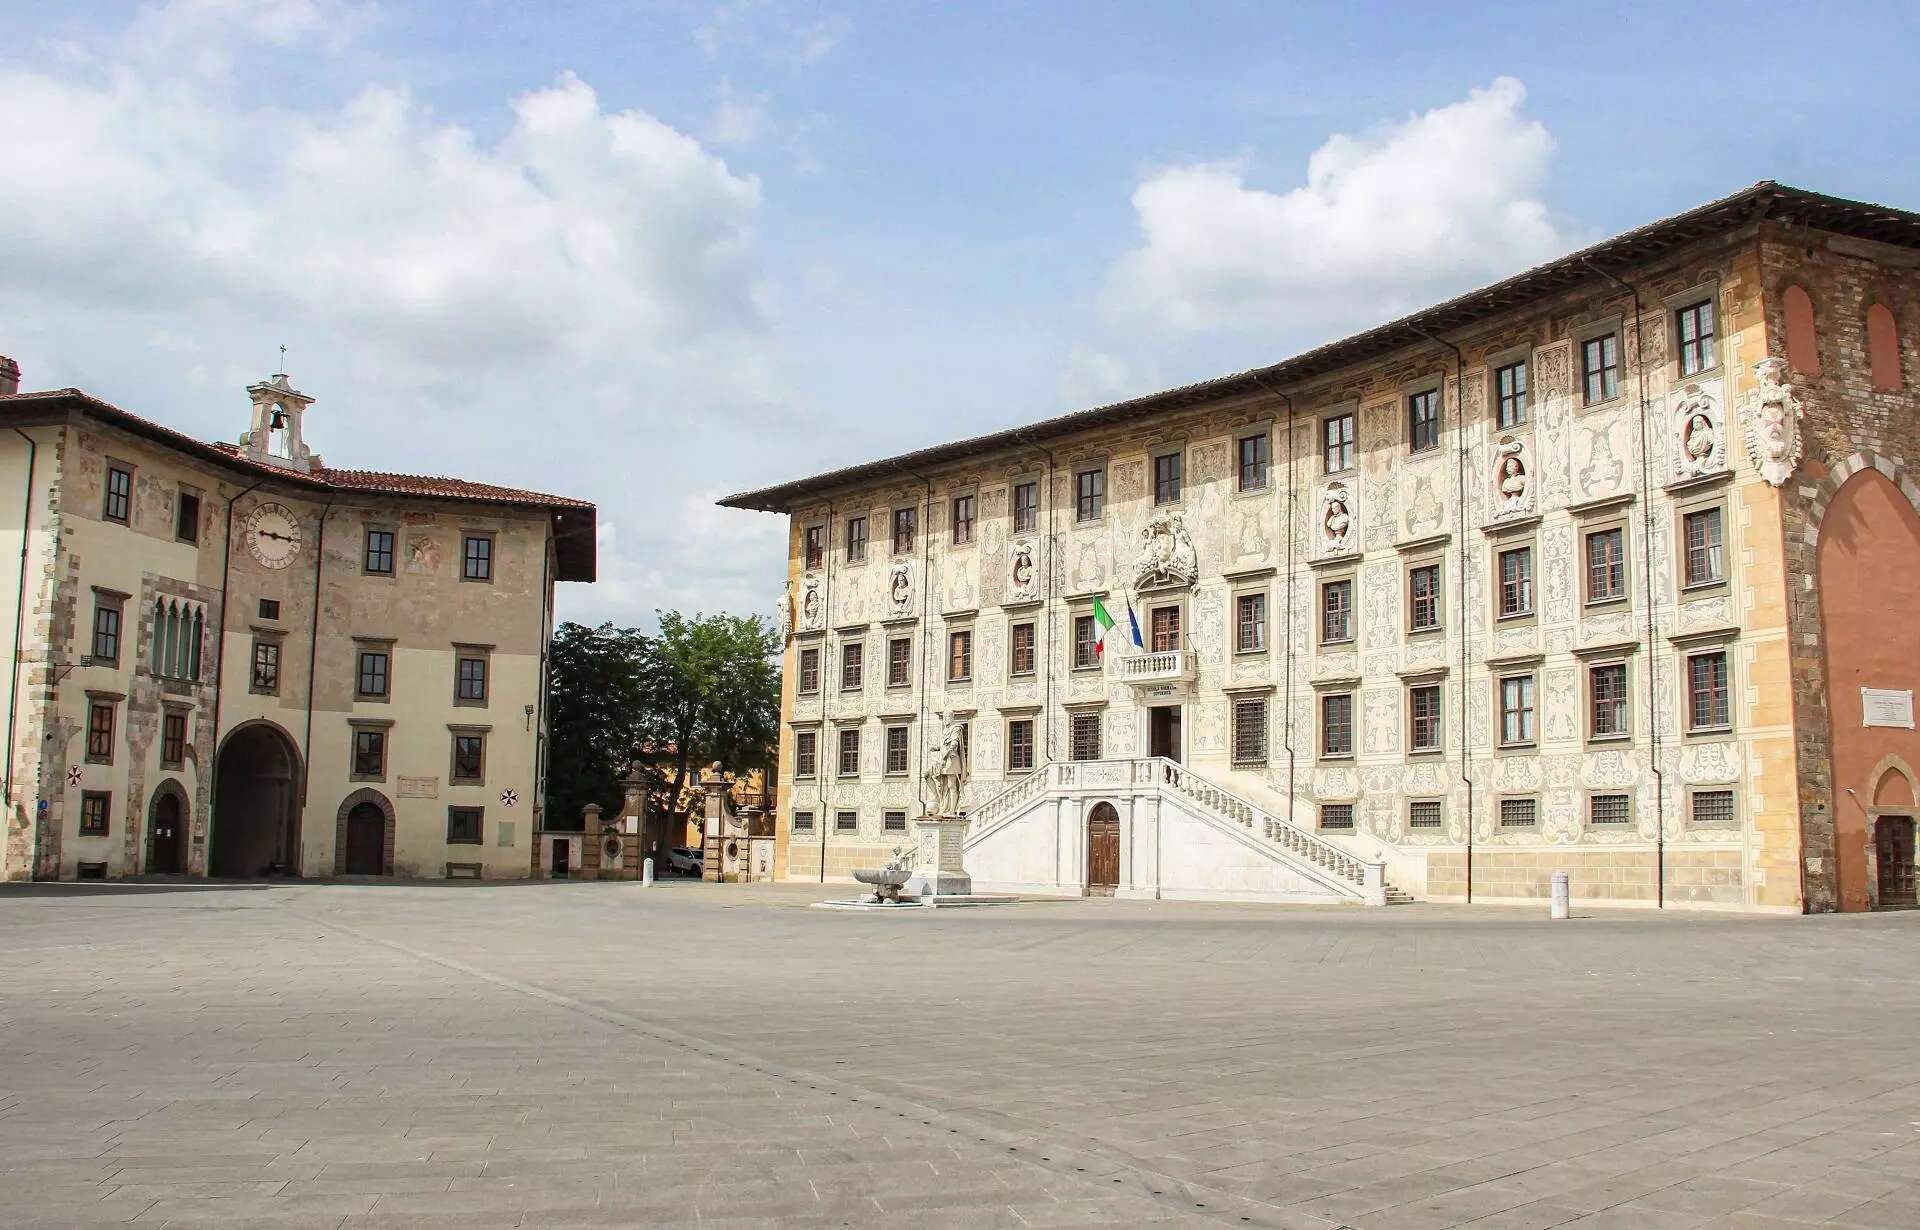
pixel 1163 732
pixel 561 853
pixel 1893 851
pixel 167 833
pixel 366 841
pixel 1103 850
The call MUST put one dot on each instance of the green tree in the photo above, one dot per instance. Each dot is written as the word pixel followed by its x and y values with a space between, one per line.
pixel 595 717
pixel 711 691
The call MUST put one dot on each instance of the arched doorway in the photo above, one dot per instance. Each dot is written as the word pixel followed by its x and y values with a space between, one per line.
pixel 256 804
pixel 363 835
pixel 167 831
pixel 1103 850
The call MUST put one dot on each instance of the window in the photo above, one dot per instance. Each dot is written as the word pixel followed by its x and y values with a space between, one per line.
pixel 856 539
pixel 899 662
pixel 1026 507
pixel 1423 714
pixel 1516 582
pixel 816 548
pixel 178 629
pixel 1518 813
pixel 1253 462
pixel 1696 337
pixel 850 752
pixel 963 521
pixel 1600 368
pixel 1606 565
pixel 1423 814
pixel 1250 623
pixel 1336 817
pixel 1510 394
pixel 1423 421
pixel 469 757
pixel 173 740
pixel 378 557
pixel 100 732
pixel 269 608
pixel 266 668
pixel 1336 612
pixel 186 517
pixel 471 680
pixel 1423 598
pixel 960 656
pixel 809 671
pixel 1516 710
pixel 1707 691
pixel 1090 494
pixel 1607 690
pixel 1250 732
pixel 1336 724
pixel 1336 438
pixel 1020 744
pixel 1166 478
pixel 1712 807
pixel 1086 644
pixel 803 822
pixel 806 754
pixel 1165 622
pixel 906 525
pixel 1023 649
pixel 476 558
pixel 846 821
pixel 896 749
pixel 106 630
pixel 1084 735
pixel 373 679
pixel 1609 808
pixel 119 500
pixel 369 753
pixel 852 666
pixel 464 826
pixel 894 821
pixel 94 805
pixel 1701 530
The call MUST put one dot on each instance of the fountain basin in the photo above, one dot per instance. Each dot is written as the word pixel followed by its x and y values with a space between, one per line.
pixel 885 881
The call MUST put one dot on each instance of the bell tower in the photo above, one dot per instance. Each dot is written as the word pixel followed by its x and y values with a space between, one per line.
pixel 275 438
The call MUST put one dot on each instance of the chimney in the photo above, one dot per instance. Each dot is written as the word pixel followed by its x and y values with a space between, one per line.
pixel 9 376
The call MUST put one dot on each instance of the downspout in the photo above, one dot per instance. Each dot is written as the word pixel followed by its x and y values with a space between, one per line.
pixel 926 596
pixel 19 621
pixel 1046 607
pixel 826 631
pixel 1286 717
pixel 1646 566
pixel 220 666
pixel 1466 626
pixel 313 654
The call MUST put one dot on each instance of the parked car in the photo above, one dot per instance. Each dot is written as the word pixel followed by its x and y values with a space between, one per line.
pixel 685 860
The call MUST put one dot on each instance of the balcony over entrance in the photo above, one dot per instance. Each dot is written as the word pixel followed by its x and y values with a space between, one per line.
pixel 1171 666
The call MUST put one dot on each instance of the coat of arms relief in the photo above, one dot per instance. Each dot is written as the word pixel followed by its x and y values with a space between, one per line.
pixel 1167 555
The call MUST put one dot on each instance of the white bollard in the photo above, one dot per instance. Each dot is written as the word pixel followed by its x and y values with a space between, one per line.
pixel 1562 896
pixel 646 872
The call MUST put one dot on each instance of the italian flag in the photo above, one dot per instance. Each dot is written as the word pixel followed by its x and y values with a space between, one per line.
pixel 1104 622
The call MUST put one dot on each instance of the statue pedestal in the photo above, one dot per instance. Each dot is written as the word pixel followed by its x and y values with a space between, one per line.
pixel 937 868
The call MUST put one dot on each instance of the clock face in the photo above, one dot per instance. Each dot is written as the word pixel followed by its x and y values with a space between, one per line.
pixel 273 535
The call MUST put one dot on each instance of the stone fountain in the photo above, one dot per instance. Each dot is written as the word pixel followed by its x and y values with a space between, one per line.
pixel 886 881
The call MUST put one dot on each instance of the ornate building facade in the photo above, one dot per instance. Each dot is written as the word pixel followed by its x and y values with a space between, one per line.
pixel 1602 569
pixel 233 660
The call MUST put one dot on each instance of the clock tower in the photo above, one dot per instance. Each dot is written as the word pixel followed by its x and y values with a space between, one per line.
pixel 275 438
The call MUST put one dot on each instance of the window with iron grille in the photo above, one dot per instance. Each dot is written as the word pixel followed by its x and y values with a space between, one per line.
pixel 845 821
pixel 963 520
pixel 1517 813
pixel 960 656
pixel 1166 478
pixel 1026 507
pixel 1423 421
pixel 373 679
pixel 852 666
pixel 1516 582
pixel 1510 394
pixel 266 667
pixel 803 822
pixel 1606 565
pixel 894 821
pixel 1423 598
pixel 1712 807
pixel 1423 710
pixel 1607 687
pixel 1253 462
pixel 1695 326
pixel 186 518
pixel 1250 731
pixel 100 733
pixel 1165 622
pixel 816 545
pixel 106 631
pixel 1609 808
pixel 94 806
pixel 1707 691
pixel 850 752
pixel 1250 623
pixel 906 526
pixel 465 826
pixel 472 680
pixel 1516 710
pixel 1336 724
pixel 1090 494
pixel 1336 817
pixel 1600 368
pixel 477 558
pixel 806 750
pixel 856 539
pixel 469 758
pixel 173 740
pixel 1020 744
pixel 1423 814
pixel 1084 734
pixel 119 500
pixel 1336 612
pixel 1086 643
pixel 1023 644
pixel 1336 438
pixel 369 753
pixel 896 749
pixel 809 671
pixel 1704 561
pixel 377 553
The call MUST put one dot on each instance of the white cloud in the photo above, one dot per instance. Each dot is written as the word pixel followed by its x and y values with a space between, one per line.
pixel 740 117
pixel 767 31
pixel 1385 222
pixel 1095 378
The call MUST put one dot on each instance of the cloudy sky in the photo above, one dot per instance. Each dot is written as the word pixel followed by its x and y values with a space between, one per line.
pixel 652 253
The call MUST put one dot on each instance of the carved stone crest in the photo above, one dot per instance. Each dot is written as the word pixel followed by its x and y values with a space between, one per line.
pixel 900 590
pixel 1512 478
pixel 1773 423
pixel 1167 555
pixel 1023 574
pixel 1336 518
pixel 1700 445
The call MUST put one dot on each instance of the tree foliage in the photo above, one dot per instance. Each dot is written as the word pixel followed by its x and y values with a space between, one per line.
pixel 594 717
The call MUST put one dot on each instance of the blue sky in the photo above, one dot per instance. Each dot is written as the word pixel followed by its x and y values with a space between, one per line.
pixel 652 253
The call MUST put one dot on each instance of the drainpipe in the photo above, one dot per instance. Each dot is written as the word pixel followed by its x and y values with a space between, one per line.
pixel 1460 500
pixel 926 596
pixel 19 619
pixel 313 654
pixel 1046 605
pixel 826 631
pixel 220 667
pixel 1286 724
pixel 1646 565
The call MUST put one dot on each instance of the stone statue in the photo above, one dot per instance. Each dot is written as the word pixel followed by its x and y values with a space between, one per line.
pixel 1700 451
pixel 946 773
pixel 1167 554
pixel 785 615
pixel 900 590
pixel 1020 571
pixel 1773 423
pixel 1336 517
pixel 1514 483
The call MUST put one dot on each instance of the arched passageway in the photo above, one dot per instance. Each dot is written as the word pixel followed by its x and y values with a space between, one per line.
pixel 256 805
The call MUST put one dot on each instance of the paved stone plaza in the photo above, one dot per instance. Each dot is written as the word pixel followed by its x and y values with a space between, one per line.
pixel 601 1054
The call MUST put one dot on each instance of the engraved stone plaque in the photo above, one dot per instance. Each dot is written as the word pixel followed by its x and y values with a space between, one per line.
pixel 1886 707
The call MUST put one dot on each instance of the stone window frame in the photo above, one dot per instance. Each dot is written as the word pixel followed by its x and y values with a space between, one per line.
pixel 1018 481
pixel 367 530
pixel 1522 537
pixel 1079 609
pixel 846 820
pixel 858 644
pixel 1262 697
pixel 1731 789
pixel 857 729
pixel 1262 430
pixel 275 639
pixel 907 680
pixel 886 750
pixel 1500 673
pixel 1714 498
pixel 105 600
pixel 469 651
pixel 1434 383
pixel 1263 590
pixel 800 821
pixel 1616 324
pixel 376 726
pixel 1612 518
pixel 479 816
pixel 808 561
pixel 1152 601
pixel 1033 628
pixel 1324 690
pixel 362 646
pixel 1352 811
pixel 911 513
pixel 847 541
pixel 457 731
pixel 1177 452
pixel 889 823
pixel 1500 802
pixel 109 703
pixel 1349 574
pixel 1350 410
pixel 182 493
pixel 1619 656
pixel 802 773
pixel 491 556
pixel 1434 557
pixel 1437 680
pixel 1101 498
pixel 800 687
pixel 1008 721
pixel 1708 291
pixel 1095 712
pixel 1587 822
pixel 1689 647
pixel 171 710
pixel 1439 825
pixel 115 465
pixel 105 827
pixel 954 631
pixel 970 492
pixel 1497 361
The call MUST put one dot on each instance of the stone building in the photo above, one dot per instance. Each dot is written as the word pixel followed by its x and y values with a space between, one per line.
pixel 1607 568
pixel 233 660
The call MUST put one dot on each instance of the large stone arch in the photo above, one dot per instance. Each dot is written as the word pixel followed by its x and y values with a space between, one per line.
pixel 153 859
pixel 365 796
pixel 258 782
